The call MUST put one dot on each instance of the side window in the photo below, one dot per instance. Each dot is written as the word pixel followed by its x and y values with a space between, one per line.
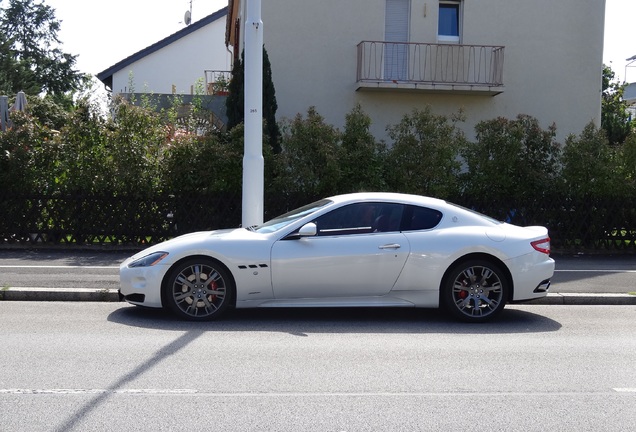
pixel 449 21
pixel 422 218
pixel 361 218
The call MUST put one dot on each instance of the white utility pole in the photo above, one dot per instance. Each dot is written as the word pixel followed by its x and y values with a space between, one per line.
pixel 253 165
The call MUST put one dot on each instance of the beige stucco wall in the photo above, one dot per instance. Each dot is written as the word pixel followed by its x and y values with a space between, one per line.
pixel 552 68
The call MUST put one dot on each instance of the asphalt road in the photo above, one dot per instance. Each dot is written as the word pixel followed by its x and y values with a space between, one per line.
pixel 110 366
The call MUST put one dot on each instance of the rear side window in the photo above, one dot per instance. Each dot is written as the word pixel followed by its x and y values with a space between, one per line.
pixel 421 218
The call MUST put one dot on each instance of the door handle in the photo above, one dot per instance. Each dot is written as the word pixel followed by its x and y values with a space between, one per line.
pixel 390 246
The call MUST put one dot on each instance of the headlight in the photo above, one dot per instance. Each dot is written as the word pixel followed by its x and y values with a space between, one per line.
pixel 148 260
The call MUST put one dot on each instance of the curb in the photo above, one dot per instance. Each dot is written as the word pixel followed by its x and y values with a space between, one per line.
pixel 583 299
pixel 57 294
pixel 112 295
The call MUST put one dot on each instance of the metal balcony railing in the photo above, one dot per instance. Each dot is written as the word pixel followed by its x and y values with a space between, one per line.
pixel 217 81
pixel 432 64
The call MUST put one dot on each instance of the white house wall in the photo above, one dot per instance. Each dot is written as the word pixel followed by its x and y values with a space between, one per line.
pixel 552 67
pixel 181 63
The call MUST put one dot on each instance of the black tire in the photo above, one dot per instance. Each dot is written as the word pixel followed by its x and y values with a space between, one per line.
pixel 475 291
pixel 198 289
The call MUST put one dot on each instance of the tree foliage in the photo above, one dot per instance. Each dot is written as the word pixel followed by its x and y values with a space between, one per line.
pixel 30 56
pixel 590 165
pixel 614 116
pixel 91 174
pixel 361 155
pixel 511 159
pixel 235 102
pixel 423 159
pixel 308 162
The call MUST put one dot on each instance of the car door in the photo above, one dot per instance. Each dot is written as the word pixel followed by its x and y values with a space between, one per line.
pixel 358 250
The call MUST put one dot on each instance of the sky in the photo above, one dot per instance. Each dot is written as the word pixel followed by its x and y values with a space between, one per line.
pixel 103 35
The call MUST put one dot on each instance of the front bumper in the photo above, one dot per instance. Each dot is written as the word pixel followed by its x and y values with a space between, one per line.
pixel 141 285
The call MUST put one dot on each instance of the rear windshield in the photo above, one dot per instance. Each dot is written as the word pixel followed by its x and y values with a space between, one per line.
pixel 476 213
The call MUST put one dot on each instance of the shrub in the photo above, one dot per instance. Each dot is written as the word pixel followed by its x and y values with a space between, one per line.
pixel 511 160
pixel 16 161
pixel 423 159
pixel 205 164
pixel 83 161
pixel 309 160
pixel 136 140
pixel 590 165
pixel 626 157
pixel 362 157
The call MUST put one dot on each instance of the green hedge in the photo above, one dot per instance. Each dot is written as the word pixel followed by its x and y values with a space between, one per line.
pixel 98 166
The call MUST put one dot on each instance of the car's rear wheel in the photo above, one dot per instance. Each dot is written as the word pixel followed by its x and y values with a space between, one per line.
pixel 198 289
pixel 475 290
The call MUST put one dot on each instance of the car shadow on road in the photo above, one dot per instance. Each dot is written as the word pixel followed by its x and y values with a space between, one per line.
pixel 305 321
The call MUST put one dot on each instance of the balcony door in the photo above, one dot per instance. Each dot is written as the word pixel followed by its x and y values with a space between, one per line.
pixel 396 32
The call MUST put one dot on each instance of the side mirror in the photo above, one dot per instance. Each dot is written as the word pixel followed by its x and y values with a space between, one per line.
pixel 308 230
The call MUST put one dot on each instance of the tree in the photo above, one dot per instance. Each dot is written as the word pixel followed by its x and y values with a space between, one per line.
pixel 14 74
pixel 235 102
pixel 614 117
pixel 30 55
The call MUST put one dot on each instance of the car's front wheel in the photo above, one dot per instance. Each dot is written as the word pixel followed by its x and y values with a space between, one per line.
pixel 475 290
pixel 198 289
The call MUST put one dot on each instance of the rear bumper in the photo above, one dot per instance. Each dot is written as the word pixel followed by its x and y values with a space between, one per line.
pixel 543 287
pixel 531 274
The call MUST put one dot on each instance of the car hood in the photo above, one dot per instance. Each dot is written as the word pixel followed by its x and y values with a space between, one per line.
pixel 195 238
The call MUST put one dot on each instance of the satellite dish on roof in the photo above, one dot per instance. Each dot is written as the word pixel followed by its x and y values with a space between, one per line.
pixel 187 18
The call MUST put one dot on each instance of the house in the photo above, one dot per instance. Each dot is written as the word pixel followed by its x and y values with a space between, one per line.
pixel 191 61
pixel 630 90
pixel 490 58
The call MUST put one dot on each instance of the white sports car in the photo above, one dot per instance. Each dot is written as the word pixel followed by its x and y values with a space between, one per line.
pixel 363 249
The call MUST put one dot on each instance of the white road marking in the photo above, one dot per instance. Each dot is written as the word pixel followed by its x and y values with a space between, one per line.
pixel 594 271
pixel 95 391
pixel 17 391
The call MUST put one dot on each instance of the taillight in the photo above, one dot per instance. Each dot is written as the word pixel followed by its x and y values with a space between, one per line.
pixel 542 245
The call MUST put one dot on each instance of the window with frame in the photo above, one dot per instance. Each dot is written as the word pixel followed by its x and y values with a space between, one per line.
pixel 421 218
pixel 449 21
pixel 361 218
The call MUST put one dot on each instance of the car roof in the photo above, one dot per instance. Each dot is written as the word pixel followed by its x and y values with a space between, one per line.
pixel 388 196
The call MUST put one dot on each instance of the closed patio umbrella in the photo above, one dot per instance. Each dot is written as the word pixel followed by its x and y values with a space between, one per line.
pixel 4 113
pixel 20 102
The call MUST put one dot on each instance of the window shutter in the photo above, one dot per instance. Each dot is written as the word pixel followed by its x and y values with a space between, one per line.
pixel 396 29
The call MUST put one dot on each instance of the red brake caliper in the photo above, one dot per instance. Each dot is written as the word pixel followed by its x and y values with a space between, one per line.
pixel 213 286
pixel 463 293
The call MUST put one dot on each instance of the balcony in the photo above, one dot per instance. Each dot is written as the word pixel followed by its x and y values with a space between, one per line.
pixel 437 68
pixel 217 82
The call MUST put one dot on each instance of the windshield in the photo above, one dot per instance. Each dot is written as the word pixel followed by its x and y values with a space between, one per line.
pixel 284 220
